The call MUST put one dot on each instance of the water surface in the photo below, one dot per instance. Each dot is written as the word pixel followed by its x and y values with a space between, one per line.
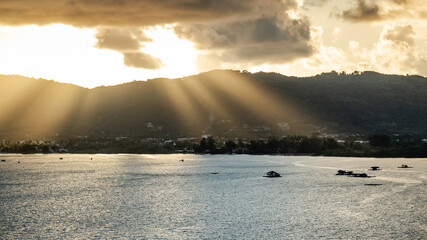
pixel 160 197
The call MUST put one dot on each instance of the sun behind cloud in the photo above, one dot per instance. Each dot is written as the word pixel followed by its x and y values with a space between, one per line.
pixel 69 54
pixel 177 55
pixel 111 42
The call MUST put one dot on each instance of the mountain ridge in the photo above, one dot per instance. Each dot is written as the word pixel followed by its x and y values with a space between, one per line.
pixel 218 102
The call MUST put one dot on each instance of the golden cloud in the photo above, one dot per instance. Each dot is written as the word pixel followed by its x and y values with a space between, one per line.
pixel 124 12
pixel 371 11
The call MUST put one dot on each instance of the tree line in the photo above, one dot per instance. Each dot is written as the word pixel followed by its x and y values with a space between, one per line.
pixel 376 145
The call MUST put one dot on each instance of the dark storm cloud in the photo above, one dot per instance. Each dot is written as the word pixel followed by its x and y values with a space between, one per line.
pixel 120 12
pixel 141 60
pixel 370 11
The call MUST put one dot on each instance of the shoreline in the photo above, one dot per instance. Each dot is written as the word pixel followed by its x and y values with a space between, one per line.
pixel 231 154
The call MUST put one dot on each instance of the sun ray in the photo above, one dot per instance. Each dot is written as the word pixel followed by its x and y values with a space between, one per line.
pixel 201 91
pixel 38 107
pixel 180 100
pixel 263 104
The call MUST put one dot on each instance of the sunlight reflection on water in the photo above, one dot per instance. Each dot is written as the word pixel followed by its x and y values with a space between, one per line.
pixel 160 197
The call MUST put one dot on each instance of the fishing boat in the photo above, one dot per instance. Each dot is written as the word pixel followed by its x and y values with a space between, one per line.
pixel 342 172
pixel 272 174
pixel 404 166
pixel 360 175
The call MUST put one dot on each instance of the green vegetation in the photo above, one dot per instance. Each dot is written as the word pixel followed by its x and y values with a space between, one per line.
pixel 229 104
pixel 316 146
pixel 378 146
pixel 261 113
pixel 27 147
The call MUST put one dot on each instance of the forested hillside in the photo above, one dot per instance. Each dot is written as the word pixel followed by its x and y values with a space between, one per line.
pixel 221 102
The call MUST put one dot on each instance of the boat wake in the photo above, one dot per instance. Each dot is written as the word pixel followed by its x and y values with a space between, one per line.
pixel 300 164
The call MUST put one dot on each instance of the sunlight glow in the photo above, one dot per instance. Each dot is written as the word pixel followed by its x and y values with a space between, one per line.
pixel 45 107
pixel 67 54
pixel 263 104
pixel 193 102
pixel 177 55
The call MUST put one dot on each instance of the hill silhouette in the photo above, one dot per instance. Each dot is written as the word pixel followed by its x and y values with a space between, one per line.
pixel 219 102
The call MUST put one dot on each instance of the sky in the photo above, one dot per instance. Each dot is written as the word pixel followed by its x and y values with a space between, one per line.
pixel 107 42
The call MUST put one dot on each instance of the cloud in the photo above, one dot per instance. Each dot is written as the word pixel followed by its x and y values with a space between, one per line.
pixel 118 39
pixel 327 58
pixel 122 12
pixel 315 3
pixel 362 12
pixel 252 31
pixel 272 39
pixel 399 34
pixel 396 51
pixel 128 42
pixel 141 60
pixel 371 11
pixel 249 32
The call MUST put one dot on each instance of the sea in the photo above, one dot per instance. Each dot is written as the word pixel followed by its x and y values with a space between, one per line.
pixel 182 196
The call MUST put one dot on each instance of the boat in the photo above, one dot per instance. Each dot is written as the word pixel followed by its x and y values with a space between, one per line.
pixel 375 168
pixel 3 160
pixel 360 175
pixel 272 174
pixel 404 166
pixel 342 172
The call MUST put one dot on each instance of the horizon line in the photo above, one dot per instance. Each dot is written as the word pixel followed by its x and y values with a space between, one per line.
pixel 212 70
